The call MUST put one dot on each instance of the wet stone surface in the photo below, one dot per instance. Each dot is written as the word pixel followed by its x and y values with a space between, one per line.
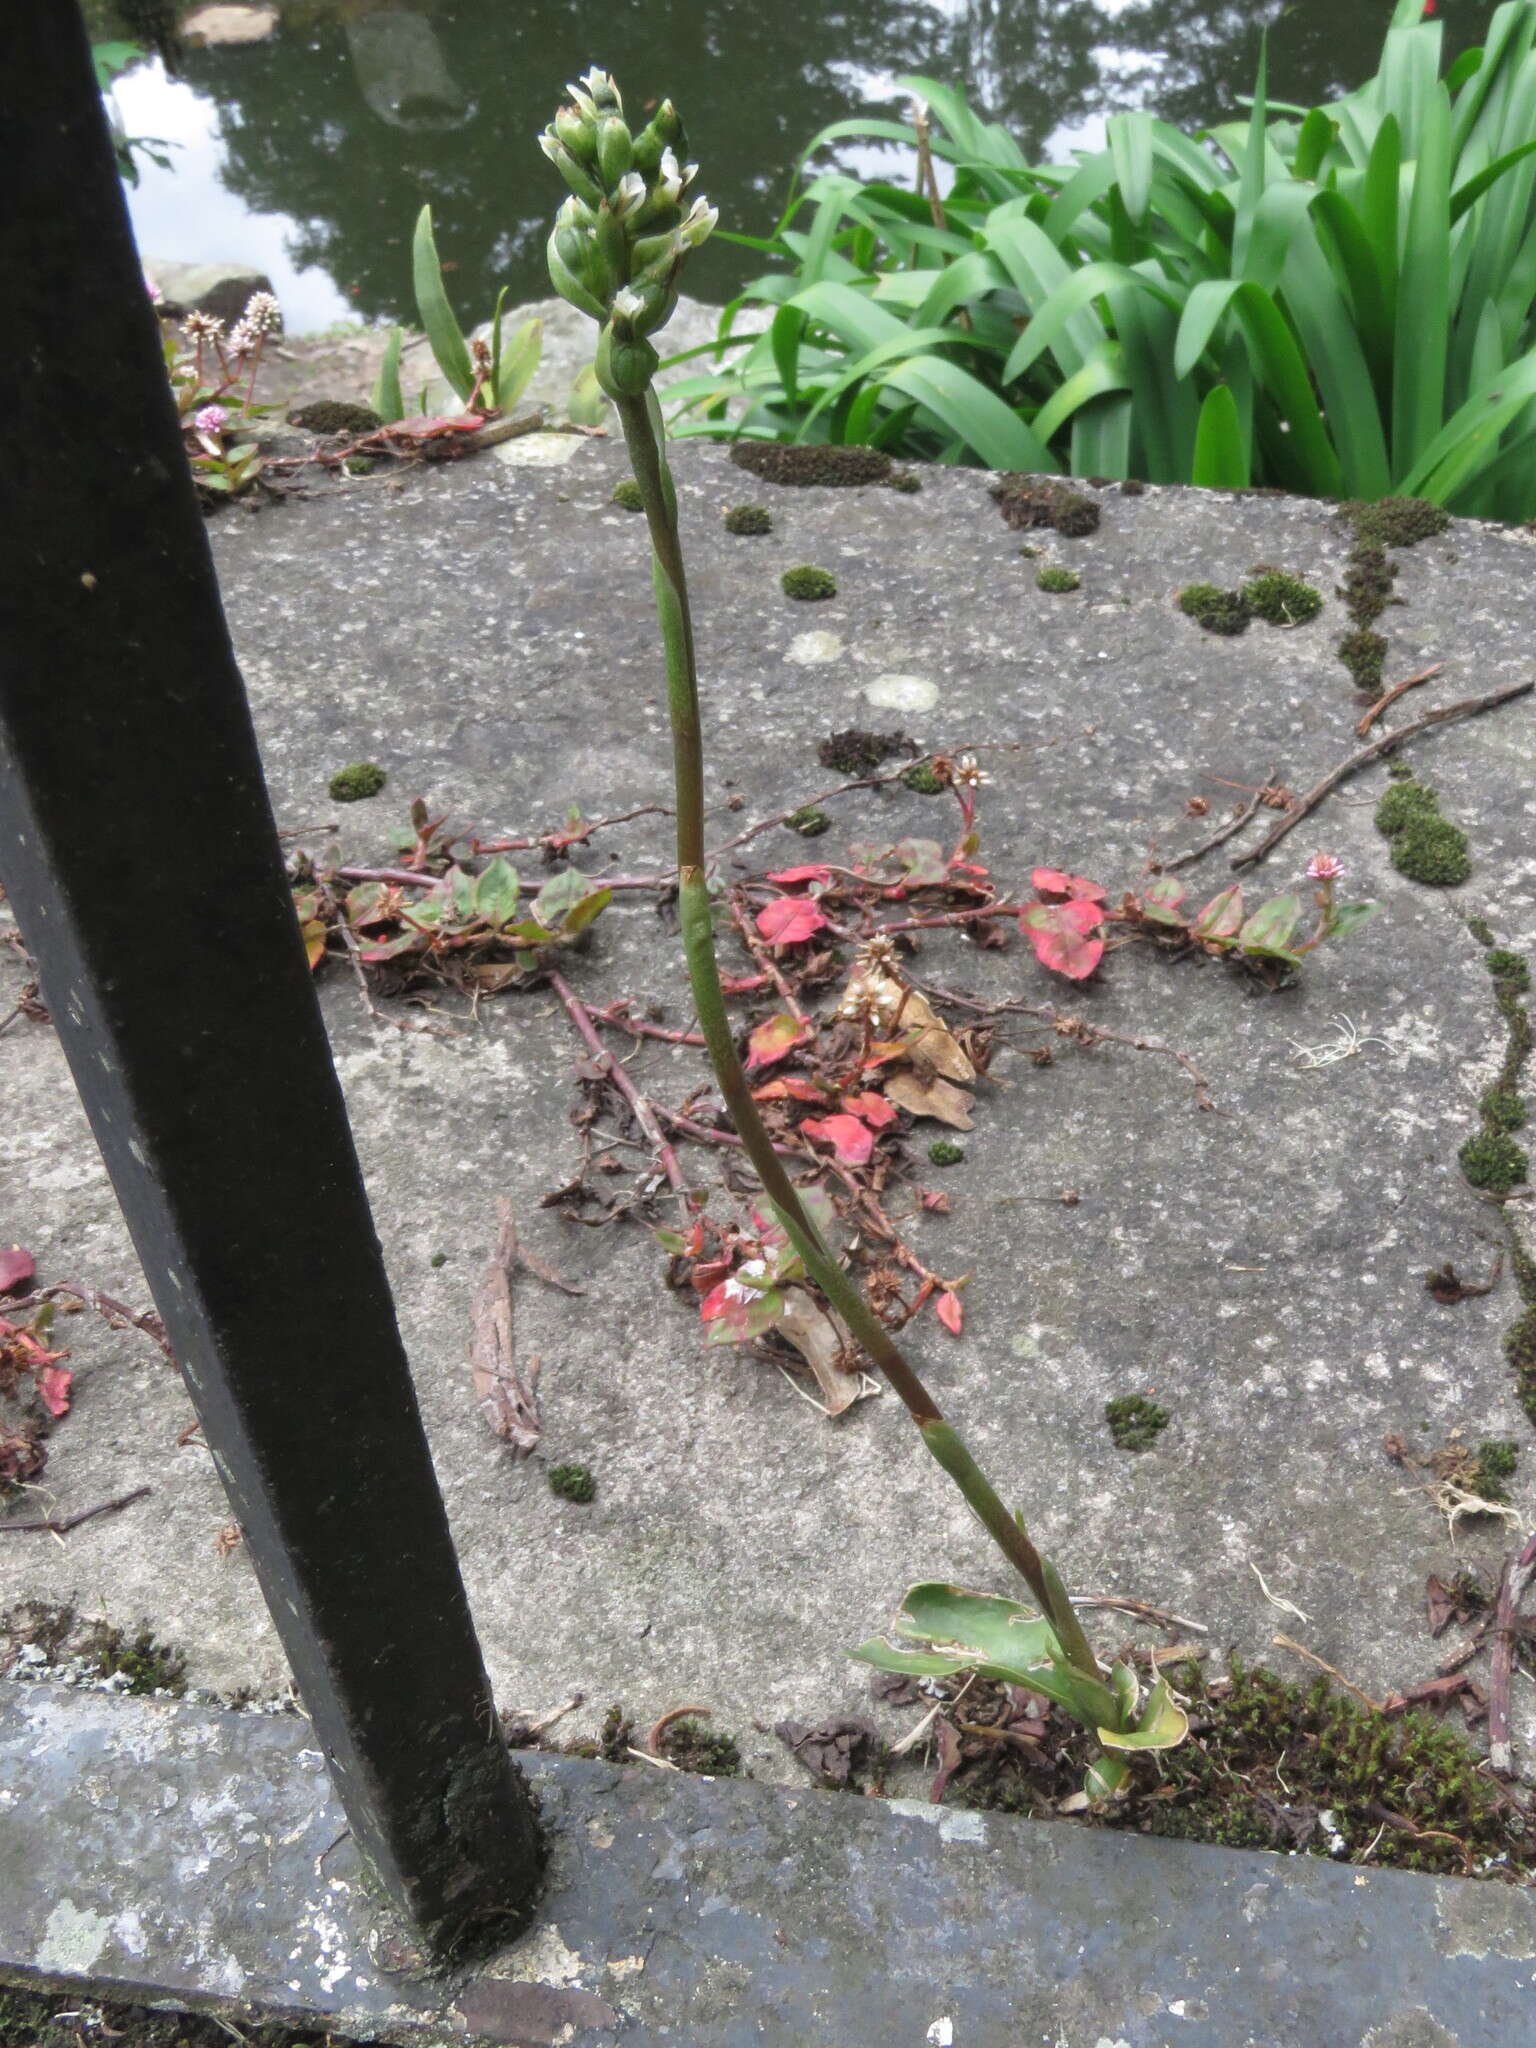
pixel 485 633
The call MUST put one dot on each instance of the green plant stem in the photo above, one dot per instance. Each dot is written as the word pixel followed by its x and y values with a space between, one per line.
pixel 644 435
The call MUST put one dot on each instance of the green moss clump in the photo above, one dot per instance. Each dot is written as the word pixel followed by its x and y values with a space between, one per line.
pixel 809 822
pixel 145 1665
pixel 1134 1422
pixel 776 462
pixel 1282 600
pixel 749 519
pixel 808 583
pixel 693 1747
pixel 573 1482
pixel 628 496
pixel 921 778
pixel 1510 968
pixel 438 1259
pixel 907 481
pixel 1503 1109
pixel 1367 586
pixel 1404 804
pixel 1218 611
pixel 335 416
pixel 1494 1162
pixel 1520 1348
pixel 1496 1463
pixel 1434 851
pixel 1057 580
pixel 1074 515
pixel 853 751
pixel 357 780
pixel 1481 930
pixel 945 1152
pixel 1363 654
pixel 1398 522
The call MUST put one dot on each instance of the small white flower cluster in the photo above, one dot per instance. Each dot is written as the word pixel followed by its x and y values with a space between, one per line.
pixel 872 996
pixel 202 327
pixel 966 771
pixel 261 317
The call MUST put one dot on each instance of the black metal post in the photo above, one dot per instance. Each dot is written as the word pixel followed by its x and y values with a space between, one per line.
pixel 138 848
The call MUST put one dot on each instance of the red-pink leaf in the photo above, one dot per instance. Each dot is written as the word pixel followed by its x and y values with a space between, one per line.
pixel 874 1109
pixel 1052 883
pixel 1059 933
pixel 17 1269
pixel 851 1140
pixel 771 1041
pixel 950 1312
pixel 53 1384
pixel 789 920
pixel 794 1085
pixel 810 873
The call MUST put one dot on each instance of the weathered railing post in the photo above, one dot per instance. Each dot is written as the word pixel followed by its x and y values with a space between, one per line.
pixel 138 848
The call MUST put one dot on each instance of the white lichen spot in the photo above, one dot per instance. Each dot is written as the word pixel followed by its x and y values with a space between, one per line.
pixel 73 1939
pixel 543 1958
pixel 624 1966
pixel 901 693
pixel 957 1824
pixel 810 650
pixel 942 2033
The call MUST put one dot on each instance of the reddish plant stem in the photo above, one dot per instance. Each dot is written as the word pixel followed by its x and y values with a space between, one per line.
pixel 767 824
pixel 741 917
pixel 706 1136
pixel 56 1525
pixel 1385 703
pixel 616 1015
pixel 643 1111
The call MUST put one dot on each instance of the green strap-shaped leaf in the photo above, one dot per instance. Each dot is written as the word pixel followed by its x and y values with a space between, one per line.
pixel 437 317
pixel 1130 144
pixel 519 359
pixel 385 397
pixel 995 433
pixel 1423 305
pixel 1222 457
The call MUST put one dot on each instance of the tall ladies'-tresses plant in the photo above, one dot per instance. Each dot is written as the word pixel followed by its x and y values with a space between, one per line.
pixel 617 252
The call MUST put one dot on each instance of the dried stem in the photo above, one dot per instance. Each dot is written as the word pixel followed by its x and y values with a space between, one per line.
pixel 55 1525
pixel 614 1070
pixel 1224 832
pixel 1397 690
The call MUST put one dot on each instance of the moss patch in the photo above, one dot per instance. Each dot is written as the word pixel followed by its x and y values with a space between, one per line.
pixel 1494 1162
pixel 1057 580
pixel 136 1658
pixel 1496 1464
pixel 1509 969
pixel 808 583
pixel 1367 586
pixel 1425 847
pixel 945 1152
pixel 1214 609
pixel 335 416
pixel 749 519
pixel 1281 599
pixel 809 822
pixel 1503 1109
pixel 1397 522
pixel 357 780
pixel 1403 805
pixel 907 481
pixel 693 1747
pixel 833 468
pixel 1026 501
pixel 856 752
pixel 922 778
pixel 1363 653
pixel 1135 1423
pixel 627 495
pixel 573 1482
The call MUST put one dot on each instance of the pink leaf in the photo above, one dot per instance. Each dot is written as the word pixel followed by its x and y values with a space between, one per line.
pixel 950 1312
pixel 17 1269
pixel 1052 882
pixel 794 1085
pixel 851 1140
pixel 811 873
pixel 53 1384
pixel 1059 933
pixel 717 1302
pixel 874 1109
pixel 789 920
pixel 771 1041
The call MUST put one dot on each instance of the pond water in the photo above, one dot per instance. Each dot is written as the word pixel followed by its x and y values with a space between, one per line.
pixel 310 153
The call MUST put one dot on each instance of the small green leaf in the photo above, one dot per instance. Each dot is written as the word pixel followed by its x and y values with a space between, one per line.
pixel 1348 917
pixel 385 397
pixel 519 360
pixel 1163 1724
pixel 586 403
pixel 461 894
pixel 497 892
pixel 1222 917
pixel 1272 926
pixel 1162 899
pixel 437 317
pixel 917 1663
pixel 569 901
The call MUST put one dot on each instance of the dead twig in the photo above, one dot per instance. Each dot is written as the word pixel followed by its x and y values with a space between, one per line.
pixel 1468 707
pixel 507 1400
pixel 55 1525
pixel 657 1729
pixel 1223 833
pixel 1397 690
pixel 1513 1580
pixel 613 1070
pixel 1286 1643
pixel 355 955
pixel 1158 1616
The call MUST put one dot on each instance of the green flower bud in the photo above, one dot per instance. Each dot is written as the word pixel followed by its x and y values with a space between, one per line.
pixel 581 182
pixel 664 131
pixel 569 286
pixel 652 257
pixel 612 250
pixel 598 88
pixel 576 132
pixel 615 151
pixel 624 368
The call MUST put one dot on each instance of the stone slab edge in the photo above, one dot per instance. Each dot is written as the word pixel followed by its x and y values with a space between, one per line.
pixel 196 1857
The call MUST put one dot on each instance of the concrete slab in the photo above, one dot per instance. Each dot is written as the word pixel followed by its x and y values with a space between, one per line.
pixel 486 634
pixel 197 1857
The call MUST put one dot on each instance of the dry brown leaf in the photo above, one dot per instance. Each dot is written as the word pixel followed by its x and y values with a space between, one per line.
pixel 505 1399
pixel 822 1340
pixel 928 1095
pixel 932 1047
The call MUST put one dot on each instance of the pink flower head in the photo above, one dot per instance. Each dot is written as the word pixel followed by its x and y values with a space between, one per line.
pixel 210 419
pixel 1324 867
pixel 155 293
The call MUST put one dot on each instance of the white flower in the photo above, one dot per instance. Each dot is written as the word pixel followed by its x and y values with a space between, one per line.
pixel 966 771
pixel 242 339
pixel 627 303
pixel 202 327
pixel 262 313
pixel 629 195
pixel 699 224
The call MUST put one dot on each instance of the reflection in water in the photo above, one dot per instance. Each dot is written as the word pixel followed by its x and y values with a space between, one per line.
pixel 355 114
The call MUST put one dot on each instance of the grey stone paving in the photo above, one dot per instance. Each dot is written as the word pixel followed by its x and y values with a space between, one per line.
pixel 198 1856
pixel 485 632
